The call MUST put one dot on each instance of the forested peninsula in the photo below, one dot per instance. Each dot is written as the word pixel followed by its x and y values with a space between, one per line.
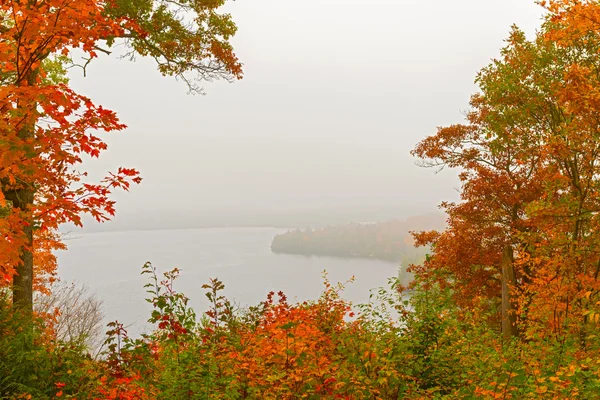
pixel 388 240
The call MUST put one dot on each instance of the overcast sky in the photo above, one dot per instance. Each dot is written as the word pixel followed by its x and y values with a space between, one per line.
pixel 335 95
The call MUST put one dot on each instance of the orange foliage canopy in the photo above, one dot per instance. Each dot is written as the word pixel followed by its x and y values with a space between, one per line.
pixel 46 128
pixel 528 153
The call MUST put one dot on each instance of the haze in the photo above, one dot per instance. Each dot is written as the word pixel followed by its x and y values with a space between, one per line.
pixel 336 93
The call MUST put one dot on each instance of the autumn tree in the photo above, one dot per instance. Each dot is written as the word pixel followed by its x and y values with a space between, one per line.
pixel 498 153
pixel 525 230
pixel 46 127
pixel 572 222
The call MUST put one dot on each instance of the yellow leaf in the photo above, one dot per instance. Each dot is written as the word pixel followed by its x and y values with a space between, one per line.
pixel 542 389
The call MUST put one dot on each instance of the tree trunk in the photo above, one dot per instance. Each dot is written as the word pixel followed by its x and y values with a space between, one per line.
pixel 509 318
pixel 23 280
pixel 22 201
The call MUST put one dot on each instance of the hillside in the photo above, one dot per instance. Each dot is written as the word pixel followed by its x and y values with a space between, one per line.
pixel 388 240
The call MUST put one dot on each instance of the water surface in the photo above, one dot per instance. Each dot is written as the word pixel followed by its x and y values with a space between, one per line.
pixel 110 264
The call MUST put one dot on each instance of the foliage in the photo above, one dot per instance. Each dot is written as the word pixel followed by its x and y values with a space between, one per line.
pixel 525 235
pixel 47 129
pixel 506 306
pixel 417 345
pixel 32 362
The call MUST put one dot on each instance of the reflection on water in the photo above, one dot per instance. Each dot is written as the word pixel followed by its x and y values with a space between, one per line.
pixel 110 263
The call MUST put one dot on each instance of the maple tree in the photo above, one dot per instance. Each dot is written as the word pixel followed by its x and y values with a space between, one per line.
pixel 500 157
pixel 526 230
pixel 46 127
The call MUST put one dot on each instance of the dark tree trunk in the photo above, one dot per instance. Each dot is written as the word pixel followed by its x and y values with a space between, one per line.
pixel 23 281
pixel 509 318
pixel 22 201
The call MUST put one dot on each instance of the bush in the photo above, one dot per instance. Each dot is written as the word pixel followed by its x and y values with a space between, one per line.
pixel 422 347
pixel 33 364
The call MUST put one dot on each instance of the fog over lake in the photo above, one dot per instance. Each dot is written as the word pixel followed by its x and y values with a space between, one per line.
pixel 110 264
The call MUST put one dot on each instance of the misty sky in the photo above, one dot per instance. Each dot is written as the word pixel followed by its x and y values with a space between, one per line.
pixel 335 95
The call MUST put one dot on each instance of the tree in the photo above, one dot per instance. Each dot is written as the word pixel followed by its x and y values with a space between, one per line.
pixel 526 230
pixel 46 127
pixel 498 152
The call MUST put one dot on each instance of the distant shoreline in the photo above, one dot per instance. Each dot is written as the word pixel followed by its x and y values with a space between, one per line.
pixel 394 260
pixel 122 230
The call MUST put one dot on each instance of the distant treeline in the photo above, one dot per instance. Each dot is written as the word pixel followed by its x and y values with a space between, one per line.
pixel 389 240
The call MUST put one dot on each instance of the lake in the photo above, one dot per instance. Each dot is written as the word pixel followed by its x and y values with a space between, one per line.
pixel 110 264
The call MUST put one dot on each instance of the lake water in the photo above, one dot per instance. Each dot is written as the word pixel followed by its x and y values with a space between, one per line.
pixel 110 264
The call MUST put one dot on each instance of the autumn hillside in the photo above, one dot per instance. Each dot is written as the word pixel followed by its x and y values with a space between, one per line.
pixel 389 240
pixel 505 305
